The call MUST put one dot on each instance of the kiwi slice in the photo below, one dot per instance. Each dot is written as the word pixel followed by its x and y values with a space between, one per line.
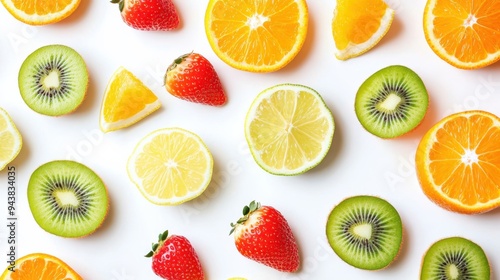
pixel 53 80
pixel 365 231
pixel 455 258
pixel 391 102
pixel 67 198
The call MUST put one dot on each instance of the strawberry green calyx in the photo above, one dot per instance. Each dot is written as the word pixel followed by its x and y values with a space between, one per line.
pixel 161 238
pixel 121 4
pixel 247 211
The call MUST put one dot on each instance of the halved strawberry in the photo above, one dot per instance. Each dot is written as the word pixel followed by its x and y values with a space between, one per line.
pixel 193 78
pixel 149 15
pixel 263 235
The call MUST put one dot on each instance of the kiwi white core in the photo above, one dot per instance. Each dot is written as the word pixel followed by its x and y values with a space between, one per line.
pixel 391 102
pixel 66 198
pixel 52 80
pixel 363 230
pixel 453 271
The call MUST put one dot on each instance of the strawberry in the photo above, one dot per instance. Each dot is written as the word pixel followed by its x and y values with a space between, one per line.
pixel 175 259
pixel 149 14
pixel 263 235
pixel 193 78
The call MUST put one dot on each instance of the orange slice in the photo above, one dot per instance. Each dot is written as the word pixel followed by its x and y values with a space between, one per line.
pixel 358 25
pixel 458 162
pixel 126 101
pixel 40 266
pixel 464 33
pixel 256 36
pixel 40 12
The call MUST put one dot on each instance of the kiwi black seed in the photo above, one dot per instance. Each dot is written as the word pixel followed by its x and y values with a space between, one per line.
pixel 391 102
pixel 53 80
pixel 455 258
pixel 67 198
pixel 365 231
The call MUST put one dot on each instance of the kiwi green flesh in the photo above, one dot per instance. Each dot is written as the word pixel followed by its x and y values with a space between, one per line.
pixel 391 102
pixel 67 198
pixel 53 80
pixel 455 258
pixel 365 231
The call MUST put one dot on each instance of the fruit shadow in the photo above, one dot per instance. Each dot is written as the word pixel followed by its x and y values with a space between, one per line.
pixel 403 251
pixel 305 52
pixel 393 32
pixel 108 221
pixel 24 153
pixel 335 148
pixel 77 15
pixel 91 99
pixel 213 189
pixel 430 118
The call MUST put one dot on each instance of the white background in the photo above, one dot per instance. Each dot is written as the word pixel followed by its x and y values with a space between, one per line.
pixel 358 162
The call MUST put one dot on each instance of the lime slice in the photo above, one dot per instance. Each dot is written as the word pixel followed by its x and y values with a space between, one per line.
pixel 289 129
pixel 170 166
pixel 10 139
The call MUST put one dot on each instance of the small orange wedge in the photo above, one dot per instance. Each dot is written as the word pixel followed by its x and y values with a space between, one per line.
pixel 464 33
pixel 458 162
pixel 40 12
pixel 40 266
pixel 126 101
pixel 358 25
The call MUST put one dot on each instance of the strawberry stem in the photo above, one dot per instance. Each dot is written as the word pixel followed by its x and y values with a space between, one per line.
pixel 247 211
pixel 161 238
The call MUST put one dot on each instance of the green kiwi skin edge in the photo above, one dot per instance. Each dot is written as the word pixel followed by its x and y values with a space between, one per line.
pixel 478 263
pixel 391 79
pixel 65 176
pixel 392 223
pixel 70 67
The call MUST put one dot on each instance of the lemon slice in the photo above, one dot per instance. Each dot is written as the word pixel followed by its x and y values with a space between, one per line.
pixel 289 129
pixel 126 101
pixel 10 139
pixel 358 25
pixel 170 166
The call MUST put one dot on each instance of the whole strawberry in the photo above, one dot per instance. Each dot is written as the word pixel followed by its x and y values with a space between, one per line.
pixel 175 259
pixel 263 235
pixel 149 15
pixel 193 78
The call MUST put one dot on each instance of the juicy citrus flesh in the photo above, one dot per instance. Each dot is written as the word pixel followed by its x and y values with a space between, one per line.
pixel 256 36
pixel 10 139
pixel 126 101
pixel 464 33
pixel 40 266
pixel 171 166
pixel 458 162
pixel 358 25
pixel 289 129
pixel 40 12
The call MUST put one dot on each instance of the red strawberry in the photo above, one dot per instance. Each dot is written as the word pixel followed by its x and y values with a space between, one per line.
pixel 149 14
pixel 175 259
pixel 193 78
pixel 263 235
